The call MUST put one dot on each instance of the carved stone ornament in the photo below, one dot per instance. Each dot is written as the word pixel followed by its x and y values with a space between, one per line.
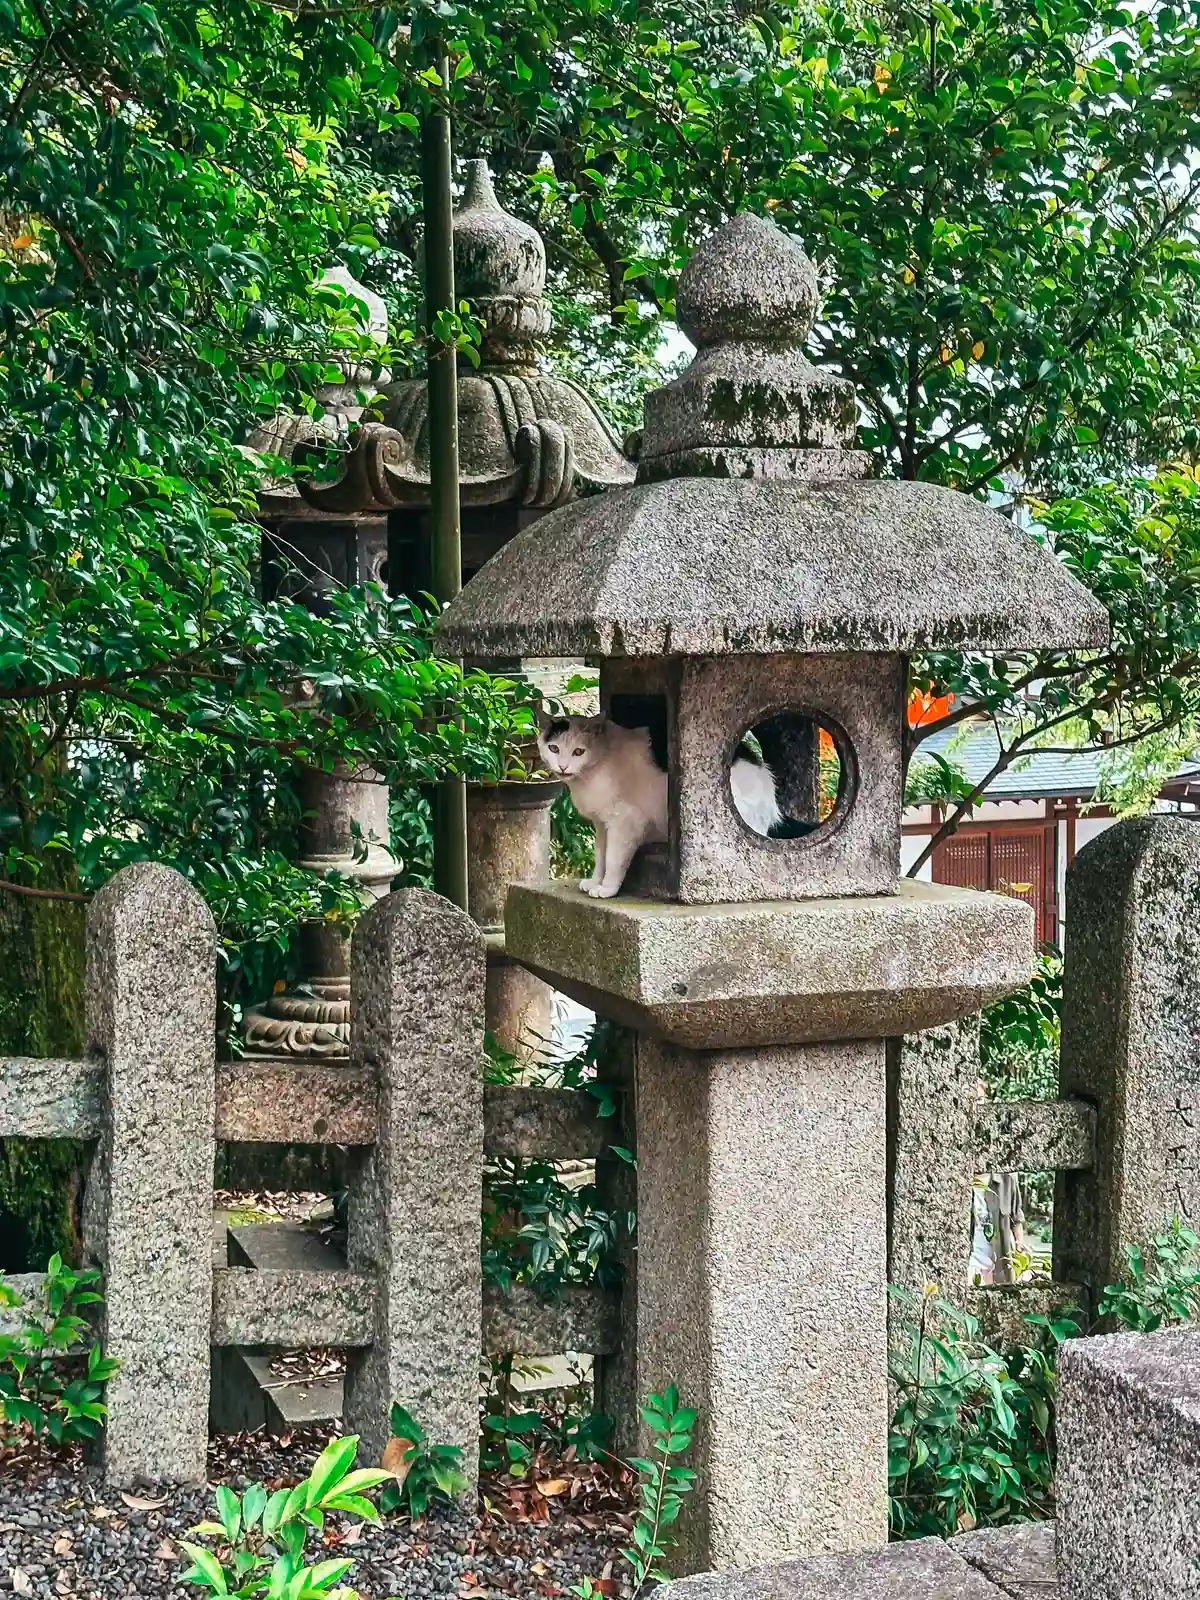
pixel 526 437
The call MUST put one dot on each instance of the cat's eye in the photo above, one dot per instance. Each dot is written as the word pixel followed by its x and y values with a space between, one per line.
pixel 553 747
pixel 578 752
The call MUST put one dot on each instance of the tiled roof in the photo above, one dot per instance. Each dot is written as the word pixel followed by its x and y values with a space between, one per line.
pixel 1041 774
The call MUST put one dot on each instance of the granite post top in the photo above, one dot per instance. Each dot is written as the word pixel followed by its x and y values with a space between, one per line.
pixel 922 1569
pixel 1162 1367
pixel 770 972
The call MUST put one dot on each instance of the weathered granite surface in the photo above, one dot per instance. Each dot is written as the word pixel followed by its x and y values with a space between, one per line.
pixel 43 1098
pixel 1035 1136
pixel 1131 1017
pixel 295 1310
pixel 508 836
pixel 1128 1476
pixel 764 536
pixel 520 1320
pixel 747 298
pixel 151 987
pixel 713 854
pixel 554 1124
pixel 508 839
pixel 1020 1560
pixel 418 964
pixel 707 567
pixel 932 1090
pixel 925 1569
pixel 776 972
pixel 294 1101
pixel 762 1291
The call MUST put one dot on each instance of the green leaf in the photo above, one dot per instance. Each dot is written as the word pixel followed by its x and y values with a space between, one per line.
pixel 206 1569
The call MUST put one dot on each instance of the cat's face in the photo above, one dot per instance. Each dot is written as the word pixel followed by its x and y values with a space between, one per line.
pixel 570 745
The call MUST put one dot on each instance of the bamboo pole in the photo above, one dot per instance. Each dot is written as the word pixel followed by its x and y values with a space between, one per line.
pixel 445 565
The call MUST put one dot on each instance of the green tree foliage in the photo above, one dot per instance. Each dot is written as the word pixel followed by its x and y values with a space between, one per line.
pixel 1003 210
pixel 173 180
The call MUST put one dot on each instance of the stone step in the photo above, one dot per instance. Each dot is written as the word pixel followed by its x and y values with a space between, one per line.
pixel 284 1247
pixel 246 1396
pixel 295 1404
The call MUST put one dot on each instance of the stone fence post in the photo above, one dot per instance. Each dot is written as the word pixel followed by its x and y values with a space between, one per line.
pixel 931 1079
pixel 1128 1474
pixel 1131 1042
pixel 151 986
pixel 418 966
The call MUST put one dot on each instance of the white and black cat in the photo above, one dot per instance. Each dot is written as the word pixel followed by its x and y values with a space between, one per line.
pixel 618 786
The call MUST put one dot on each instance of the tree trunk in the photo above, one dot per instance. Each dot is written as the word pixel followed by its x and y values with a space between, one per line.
pixel 41 1014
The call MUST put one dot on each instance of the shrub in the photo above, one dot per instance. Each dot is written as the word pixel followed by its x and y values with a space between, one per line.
pixel 421 1473
pixel 972 1436
pixel 663 1482
pixel 262 1536
pixel 42 1387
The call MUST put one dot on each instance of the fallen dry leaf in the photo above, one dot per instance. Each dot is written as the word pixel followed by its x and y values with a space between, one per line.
pixel 136 1503
pixel 166 1552
pixel 63 1545
pixel 394 1453
pixel 552 1486
pixel 21 1582
pixel 472 1594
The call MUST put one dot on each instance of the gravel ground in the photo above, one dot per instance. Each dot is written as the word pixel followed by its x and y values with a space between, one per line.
pixel 66 1535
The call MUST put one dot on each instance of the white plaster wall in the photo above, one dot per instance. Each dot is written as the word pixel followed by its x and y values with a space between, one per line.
pixel 911 846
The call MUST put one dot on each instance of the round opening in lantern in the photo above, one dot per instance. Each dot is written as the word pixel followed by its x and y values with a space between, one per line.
pixel 789 775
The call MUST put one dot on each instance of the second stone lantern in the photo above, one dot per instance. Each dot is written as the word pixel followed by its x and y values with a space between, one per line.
pixel 755 596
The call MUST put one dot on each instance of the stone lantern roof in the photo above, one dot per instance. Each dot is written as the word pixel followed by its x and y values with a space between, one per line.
pixel 753 527
pixel 526 437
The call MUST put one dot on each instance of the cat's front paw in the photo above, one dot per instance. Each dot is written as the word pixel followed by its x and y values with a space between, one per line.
pixel 602 891
pixel 586 885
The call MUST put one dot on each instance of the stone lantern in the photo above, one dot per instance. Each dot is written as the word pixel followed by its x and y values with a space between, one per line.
pixel 756 584
pixel 529 440
pixel 309 551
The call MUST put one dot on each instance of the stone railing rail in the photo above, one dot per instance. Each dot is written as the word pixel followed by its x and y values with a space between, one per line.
pixel 1124 1139
pixel 942 1137
pixel 406 1301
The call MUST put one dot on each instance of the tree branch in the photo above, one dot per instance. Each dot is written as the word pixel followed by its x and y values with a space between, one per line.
pixel 42 894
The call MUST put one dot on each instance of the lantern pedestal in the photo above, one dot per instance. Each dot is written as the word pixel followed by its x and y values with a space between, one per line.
pixel 767 972
pixel 762 1204
pixel 761 1171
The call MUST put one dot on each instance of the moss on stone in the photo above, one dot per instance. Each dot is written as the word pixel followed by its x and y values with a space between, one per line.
pixel 41 1014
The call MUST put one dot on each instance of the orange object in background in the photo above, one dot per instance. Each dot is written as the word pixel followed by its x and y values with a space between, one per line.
pixel 827 748
pixel 924 707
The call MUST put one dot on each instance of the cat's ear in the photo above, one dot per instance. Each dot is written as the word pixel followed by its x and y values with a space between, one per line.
pixel 544 718
pixel 602 722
